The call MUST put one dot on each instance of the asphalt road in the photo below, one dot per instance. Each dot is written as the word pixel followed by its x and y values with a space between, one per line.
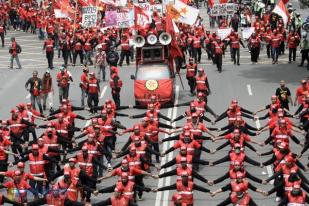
pixel 251 85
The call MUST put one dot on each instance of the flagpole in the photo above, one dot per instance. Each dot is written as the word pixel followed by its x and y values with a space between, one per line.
pixel 74 29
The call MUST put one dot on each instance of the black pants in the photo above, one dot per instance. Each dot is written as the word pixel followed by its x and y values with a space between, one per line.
pixel 139 180
pixel 192 84
pixel 2 38
pixel 268 47
pixel 304 56
pixel 124 54
pixel 197 54
pixel 218 60
pixel 235 55
pixel 292 52
pixel 3 168
pixel 91 184
pixel 65 56
pixel 93 101
pixel 190 50
pixel 282 47
pixel 29 130
pixel 255 54
pixel 81 56
pixel 50 57
pixel 116 98
pixel 196 157
pixel 280 190
pixel 155 147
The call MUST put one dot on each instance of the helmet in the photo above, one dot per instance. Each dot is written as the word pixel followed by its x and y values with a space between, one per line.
pixel 200 94
pixel 21 165
pixel 35 147
pixel 72 160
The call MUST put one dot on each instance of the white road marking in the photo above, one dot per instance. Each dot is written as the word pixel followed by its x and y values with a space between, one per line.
pixel 249 89
pixel 257 123
pixel 163 161
pixel 103 92
pixel 170 155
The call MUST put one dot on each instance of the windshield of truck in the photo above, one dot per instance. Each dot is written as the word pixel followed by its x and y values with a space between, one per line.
pixel 154 72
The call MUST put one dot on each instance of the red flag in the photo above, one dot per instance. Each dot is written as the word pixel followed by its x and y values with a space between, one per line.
pixel 211 3
pixel 281 10
pixel 285 1
pixel 139 11
pixel 87 2
pixel 66 7
pixel 175 51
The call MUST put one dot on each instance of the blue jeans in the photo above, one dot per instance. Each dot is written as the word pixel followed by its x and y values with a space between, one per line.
pixel 275 54
pixel 17 61
pixel 36 99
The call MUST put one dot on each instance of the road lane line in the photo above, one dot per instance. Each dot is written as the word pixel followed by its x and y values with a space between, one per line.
pixel 170 155
pixel 103 92
pixel 249 89
pixel 163 161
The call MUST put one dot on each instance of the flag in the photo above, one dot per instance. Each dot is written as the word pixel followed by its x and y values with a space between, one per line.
pixel 65 7
pixel 211 3
pixel 281 10
pixel 285 1
pixel 175 51
pixel 188 14
pixel 87 2
pixel 139 15
pixel 108 2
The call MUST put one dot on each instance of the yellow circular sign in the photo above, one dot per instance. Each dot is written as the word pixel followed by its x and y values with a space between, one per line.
pixel 151 85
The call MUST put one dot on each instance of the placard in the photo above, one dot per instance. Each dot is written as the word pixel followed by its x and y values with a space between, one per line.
pixel 89 18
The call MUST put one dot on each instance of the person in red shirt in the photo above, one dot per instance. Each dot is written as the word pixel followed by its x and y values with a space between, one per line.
pixel 49 45
pixel 63 79
pixel 301 93
pixel 255 46
pixel 2 31
pixel 15 49
pixel 83 85
pixel 93 90
pixel 47 90
pixel 293 41
pixel 275 43
pixel 125 50
pixel 18 185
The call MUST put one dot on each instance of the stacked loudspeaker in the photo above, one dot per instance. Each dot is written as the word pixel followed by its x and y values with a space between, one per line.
pixel 164 39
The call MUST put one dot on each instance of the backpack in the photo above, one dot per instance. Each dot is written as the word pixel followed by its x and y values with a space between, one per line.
pixel 18 49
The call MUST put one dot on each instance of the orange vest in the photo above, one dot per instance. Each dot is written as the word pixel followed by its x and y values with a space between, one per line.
pixel 36 164
pixel 186 192
pixel 49 44
pixel 85 164
pixel 234 157
pixel 296 201
pixel 191 70
pixel 125 45
pixel 51 142
pixel 93 86
pixel 127 189
pixel 71 189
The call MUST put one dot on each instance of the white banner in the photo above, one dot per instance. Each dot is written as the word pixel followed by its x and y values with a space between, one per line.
pixel 125 19
pixel 89 18
pixel 224 9
pixel 247 32
pixel 59 14
pixel 223 33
